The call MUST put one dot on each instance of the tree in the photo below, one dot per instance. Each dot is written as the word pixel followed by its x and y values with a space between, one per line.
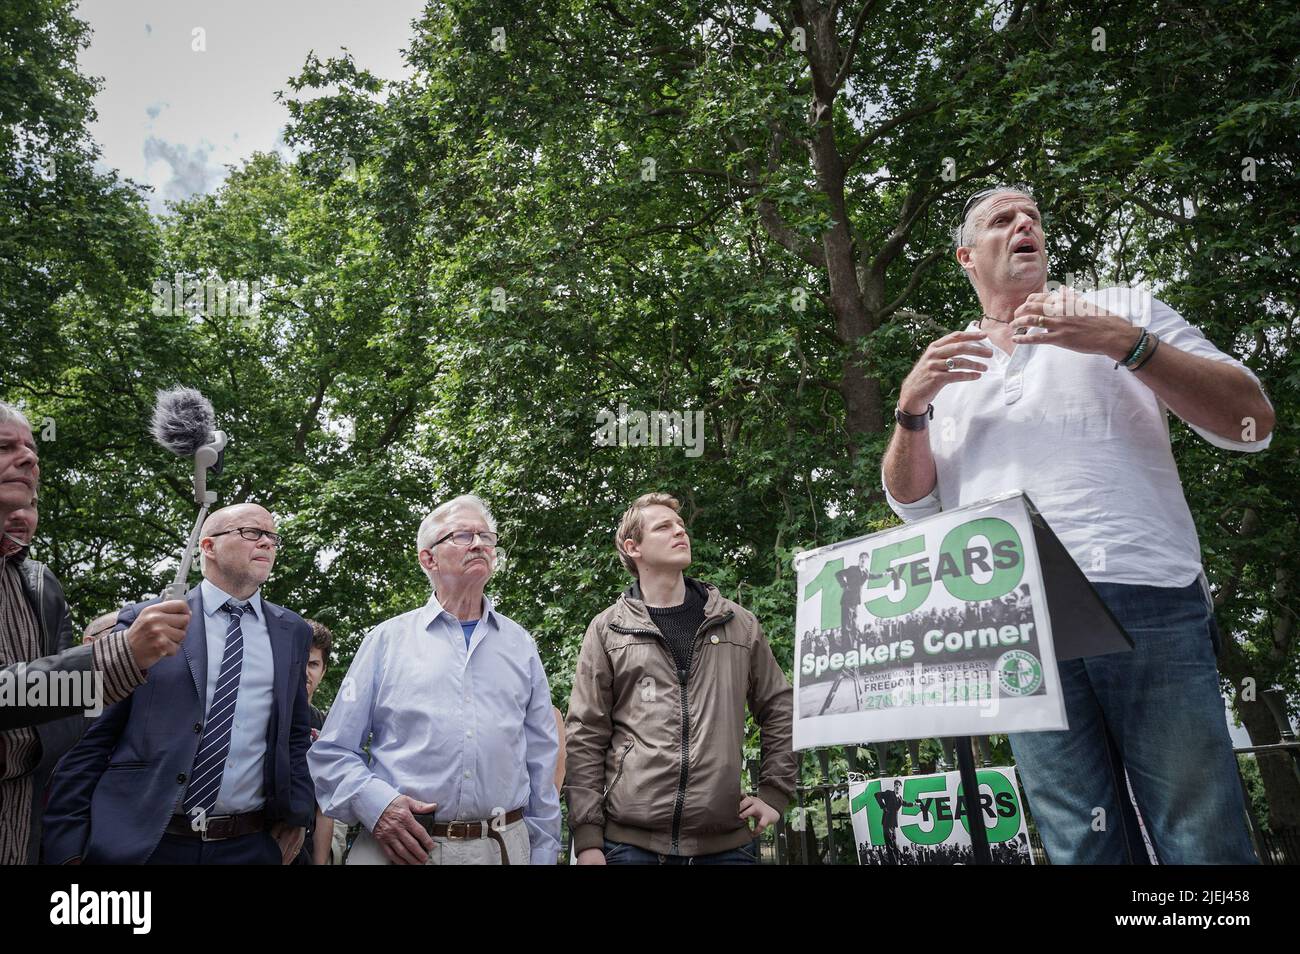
pixel 679 177
pixel 610 208
pixel 66 227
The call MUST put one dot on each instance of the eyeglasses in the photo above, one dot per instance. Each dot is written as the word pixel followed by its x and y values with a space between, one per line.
pixel 253 533
pixel 978 197
pixel 464 538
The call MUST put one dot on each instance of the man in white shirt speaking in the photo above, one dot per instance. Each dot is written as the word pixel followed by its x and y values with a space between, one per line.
pixel 1065 396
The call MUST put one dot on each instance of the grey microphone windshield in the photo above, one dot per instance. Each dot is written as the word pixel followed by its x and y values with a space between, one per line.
pixel 183 421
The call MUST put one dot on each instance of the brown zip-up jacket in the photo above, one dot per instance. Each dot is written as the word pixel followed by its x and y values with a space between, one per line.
pixel 654 754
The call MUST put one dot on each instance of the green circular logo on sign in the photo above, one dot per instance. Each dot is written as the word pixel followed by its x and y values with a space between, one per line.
pixel 1019 673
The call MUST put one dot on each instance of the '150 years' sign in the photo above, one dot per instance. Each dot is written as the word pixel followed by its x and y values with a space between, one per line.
pixel 938 628
pixel 921 819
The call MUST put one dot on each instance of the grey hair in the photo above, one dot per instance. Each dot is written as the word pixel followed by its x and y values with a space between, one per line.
pixel 12 415
pixel 962 233
pixel 431 527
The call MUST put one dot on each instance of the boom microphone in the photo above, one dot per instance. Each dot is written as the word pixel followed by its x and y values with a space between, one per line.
pixel 185 424
pixel 183 421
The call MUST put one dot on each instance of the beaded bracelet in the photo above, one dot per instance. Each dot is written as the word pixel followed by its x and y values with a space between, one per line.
pixel 1136 352
pixel 1155 343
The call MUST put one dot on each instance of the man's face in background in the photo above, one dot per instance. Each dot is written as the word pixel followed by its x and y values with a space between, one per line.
pixel 315 671
pixel 20 527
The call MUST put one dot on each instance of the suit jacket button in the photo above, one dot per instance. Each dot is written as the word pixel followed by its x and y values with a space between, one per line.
pixel 198 727
pixel 181 778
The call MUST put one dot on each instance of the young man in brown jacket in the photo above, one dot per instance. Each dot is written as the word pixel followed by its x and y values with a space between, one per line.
pixel 657 715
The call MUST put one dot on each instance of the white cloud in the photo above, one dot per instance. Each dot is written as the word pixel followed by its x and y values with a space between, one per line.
pixel 191 173
pixel 173 118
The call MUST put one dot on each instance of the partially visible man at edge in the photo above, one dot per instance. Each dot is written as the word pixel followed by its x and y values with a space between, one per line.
pixel 36 643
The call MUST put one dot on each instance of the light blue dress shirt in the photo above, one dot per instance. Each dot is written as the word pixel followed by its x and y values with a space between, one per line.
pixel 470 728
pixel 241 780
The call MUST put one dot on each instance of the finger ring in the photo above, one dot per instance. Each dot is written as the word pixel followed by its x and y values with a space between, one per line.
pixel 1038 320
pixel 951 363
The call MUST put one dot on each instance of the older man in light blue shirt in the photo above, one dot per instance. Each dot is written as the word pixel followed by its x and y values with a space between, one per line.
pixel 454 704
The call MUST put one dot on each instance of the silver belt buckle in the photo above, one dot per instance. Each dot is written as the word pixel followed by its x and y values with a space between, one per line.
pixel 225 824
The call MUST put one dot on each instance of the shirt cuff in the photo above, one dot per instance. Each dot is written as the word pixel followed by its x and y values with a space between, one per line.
pixel 374 797
pixel 927 506
pixel 1227 443
pixel 543 856
pixel 116 664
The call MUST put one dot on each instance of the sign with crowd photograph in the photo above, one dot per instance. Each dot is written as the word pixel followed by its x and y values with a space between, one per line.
pixel 938 628
pixel 922 820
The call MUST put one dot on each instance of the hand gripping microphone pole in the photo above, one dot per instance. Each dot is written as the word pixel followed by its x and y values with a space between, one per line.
pixel 184 423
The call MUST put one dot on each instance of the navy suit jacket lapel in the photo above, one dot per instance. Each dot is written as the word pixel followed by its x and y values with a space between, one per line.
pixel 195 646
pixel 282 656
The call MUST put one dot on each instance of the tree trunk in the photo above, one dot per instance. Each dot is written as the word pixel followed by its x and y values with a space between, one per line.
pixel 860 391
pixel 1276 769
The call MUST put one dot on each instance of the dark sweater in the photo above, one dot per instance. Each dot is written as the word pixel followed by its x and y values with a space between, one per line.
pixel 680 624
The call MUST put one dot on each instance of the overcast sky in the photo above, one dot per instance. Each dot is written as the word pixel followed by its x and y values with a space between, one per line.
pixel 173 117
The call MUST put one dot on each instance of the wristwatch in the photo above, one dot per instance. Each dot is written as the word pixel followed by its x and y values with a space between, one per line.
pixel 914 422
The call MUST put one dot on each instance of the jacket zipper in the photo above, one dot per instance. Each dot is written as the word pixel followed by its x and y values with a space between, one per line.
pixel 48 646
pixel 679 804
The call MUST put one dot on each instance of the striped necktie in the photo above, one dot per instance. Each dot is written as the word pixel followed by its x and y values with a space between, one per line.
pixel 210 762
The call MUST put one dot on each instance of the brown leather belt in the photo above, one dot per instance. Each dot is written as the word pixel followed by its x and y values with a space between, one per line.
pixel 218 827
pixel 464 830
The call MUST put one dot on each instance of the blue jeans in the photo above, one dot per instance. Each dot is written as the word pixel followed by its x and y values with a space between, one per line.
pixel 621 853
pixel 1162 706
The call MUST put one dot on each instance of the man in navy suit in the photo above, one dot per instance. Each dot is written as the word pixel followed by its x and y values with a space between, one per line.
pixel 206 763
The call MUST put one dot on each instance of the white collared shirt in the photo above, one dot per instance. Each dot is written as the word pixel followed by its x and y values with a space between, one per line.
pixel 1088 443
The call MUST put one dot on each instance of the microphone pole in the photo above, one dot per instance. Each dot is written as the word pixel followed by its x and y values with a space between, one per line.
pixel 205 457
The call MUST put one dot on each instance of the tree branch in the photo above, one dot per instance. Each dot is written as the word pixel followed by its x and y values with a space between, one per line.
pixel 309 422
pixel 715 173
pixel 394 425
pixel 912 282
pixel 843 72
pixel 1284 623
pixel 915 203
pixel 1228 588
pixel 855 153
pixel 771 219
pixel 712 215
pixel 1156 211
pixel 899 236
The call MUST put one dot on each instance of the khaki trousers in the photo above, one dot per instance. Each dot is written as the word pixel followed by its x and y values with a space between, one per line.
pixel 453 851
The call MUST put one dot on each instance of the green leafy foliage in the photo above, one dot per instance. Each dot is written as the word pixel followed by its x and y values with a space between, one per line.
pixel 738 210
